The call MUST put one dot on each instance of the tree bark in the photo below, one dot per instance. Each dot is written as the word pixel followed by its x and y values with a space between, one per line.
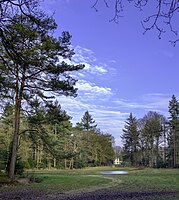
pixel 174 149
pixel 19 86
pixel 13 157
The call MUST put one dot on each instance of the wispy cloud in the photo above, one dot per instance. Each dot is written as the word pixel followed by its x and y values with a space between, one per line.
pixel 92 95
pixel 86 56
pixel 109 119
pixel 85 86
pixel 107 108
pixel 83 55
pixel 148 102
pixel 94 69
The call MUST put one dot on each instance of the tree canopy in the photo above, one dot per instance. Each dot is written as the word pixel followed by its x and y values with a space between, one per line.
pixel 152 140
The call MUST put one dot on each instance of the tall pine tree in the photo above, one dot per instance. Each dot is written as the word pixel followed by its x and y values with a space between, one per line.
pixel 174 131
pixel 35 70
pixel 130 139
pixel 87 122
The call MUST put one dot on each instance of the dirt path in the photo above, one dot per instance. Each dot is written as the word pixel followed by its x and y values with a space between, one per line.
pixel 17 193
pixel 114 182
pixel 103 192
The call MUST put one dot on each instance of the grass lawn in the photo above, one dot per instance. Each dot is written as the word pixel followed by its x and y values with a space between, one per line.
pixel 149 184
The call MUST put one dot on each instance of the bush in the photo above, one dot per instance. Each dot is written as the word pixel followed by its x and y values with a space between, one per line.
pixel 78 164
pixel 19 168
pixel 35 179
pixel 126 164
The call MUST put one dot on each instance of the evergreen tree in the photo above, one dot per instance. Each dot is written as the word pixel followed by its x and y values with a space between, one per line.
pixel 35 70
pixel 87 122
pixel 9 8
pixel 50 130
pixel 174 131
pixel 56 116
pixel 130 139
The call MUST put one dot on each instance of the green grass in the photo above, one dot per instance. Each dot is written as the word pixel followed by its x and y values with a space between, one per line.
pixel 152 180
pixel 91 179
pixel 63 183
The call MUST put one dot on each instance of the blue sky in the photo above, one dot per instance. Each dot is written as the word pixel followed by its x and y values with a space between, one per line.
pixel 125 71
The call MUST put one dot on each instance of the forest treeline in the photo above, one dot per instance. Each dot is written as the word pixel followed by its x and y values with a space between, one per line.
pixel 153 140
pixel 47 139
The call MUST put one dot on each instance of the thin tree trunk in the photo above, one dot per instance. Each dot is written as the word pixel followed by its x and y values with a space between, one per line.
pixel 65 160
pixel 174 149
pixel 71 163
pixel 38 156
pixel 54 162
pixel 164 157
pixel 49 163
pixel 65 163
pixel 157 151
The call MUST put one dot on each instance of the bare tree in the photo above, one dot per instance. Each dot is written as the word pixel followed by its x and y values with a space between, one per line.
pixel 162 19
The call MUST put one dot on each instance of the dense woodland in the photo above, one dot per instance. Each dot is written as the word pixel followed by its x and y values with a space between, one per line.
pixel 48 140
pixel 153 140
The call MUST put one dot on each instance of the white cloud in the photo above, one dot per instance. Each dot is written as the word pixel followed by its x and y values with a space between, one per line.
pixel 92 96
pixel 100 69
pixel 83 55
pixel 86 56
pixel 157 100
pixel 92 88
pixel 94 69
pixel 111 121
pixel 147 101
pixel 130 104
pixel 107 118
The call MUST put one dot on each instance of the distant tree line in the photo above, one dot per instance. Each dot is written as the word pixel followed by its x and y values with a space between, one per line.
pixel 153 140
pixel 47 139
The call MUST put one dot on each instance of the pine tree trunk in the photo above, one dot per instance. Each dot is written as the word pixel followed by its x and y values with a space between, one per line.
pixel 18 99
pixel 174 149
pixel 13 157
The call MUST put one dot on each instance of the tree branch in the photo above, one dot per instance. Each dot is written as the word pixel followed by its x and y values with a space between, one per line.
pixel 164 14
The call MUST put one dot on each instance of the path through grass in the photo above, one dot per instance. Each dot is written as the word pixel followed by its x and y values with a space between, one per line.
pixel 149 184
